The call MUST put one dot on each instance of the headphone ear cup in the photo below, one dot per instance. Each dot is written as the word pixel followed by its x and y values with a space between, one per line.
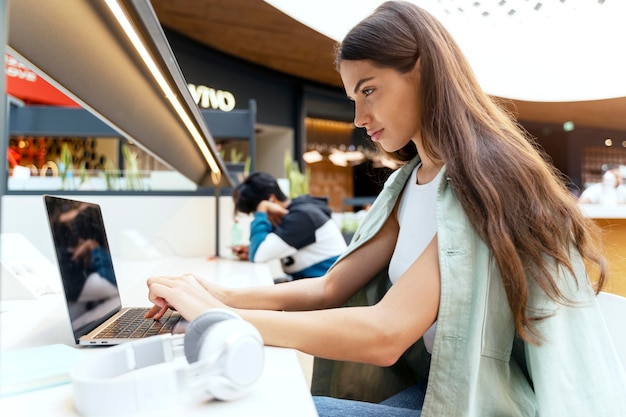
pixel 231 347
pixel 196 331
pixel 240 358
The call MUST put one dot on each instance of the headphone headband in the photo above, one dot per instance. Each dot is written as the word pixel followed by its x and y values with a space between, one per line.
pixel 156 373
pixel 125 375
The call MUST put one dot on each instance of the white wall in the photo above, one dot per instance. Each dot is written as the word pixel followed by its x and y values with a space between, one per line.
pixel 272 142
pixel 171 225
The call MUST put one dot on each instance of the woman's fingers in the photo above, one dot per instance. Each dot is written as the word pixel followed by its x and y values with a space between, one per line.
pixel 184 293
pixel 157 311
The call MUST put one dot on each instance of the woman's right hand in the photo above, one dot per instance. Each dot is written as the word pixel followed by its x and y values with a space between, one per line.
pixel 187 294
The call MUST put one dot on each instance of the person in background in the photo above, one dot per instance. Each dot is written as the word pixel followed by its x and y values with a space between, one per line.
pixel 610 191
pixel 299 232
pixel 469 289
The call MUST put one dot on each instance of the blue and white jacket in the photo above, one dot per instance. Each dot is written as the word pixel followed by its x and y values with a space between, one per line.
pixel 307 241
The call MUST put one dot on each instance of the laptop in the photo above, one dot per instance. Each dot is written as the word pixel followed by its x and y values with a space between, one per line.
pixel 89 284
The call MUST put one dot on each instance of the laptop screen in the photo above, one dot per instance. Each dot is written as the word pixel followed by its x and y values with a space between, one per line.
pixel 85 264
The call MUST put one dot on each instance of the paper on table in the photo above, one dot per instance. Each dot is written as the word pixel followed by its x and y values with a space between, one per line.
pixel 35 368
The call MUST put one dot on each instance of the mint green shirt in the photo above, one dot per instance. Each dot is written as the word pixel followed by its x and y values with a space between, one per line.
pixel 478 367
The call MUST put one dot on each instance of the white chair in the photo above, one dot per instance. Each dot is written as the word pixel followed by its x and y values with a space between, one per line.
pixel 614 310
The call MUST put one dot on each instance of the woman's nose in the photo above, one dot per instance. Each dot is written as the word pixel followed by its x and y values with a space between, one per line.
pixel 360 119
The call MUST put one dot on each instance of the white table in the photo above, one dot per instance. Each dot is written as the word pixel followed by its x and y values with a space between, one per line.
pixel 281 391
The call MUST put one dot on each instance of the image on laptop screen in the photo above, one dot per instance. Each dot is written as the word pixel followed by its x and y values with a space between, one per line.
pixel 84 261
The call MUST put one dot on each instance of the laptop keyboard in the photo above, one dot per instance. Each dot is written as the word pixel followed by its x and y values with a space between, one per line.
pixel 132 324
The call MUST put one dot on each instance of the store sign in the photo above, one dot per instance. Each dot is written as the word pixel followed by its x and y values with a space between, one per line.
pixel 210 98
pixel 16 69
pixel 25 84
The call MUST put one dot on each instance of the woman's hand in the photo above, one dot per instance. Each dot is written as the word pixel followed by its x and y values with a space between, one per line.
pixel 186 294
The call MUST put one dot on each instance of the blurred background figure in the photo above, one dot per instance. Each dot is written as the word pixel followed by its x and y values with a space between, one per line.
pixel 610 191
pixel 299 232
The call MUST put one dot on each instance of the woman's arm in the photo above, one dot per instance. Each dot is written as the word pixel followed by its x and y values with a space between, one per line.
pixel 191 295
pixel 378 334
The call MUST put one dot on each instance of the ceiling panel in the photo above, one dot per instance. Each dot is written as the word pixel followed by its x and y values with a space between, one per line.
pixel 257 32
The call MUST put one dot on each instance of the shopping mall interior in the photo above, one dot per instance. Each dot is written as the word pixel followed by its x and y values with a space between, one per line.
pixel 152 112
pixel 267 89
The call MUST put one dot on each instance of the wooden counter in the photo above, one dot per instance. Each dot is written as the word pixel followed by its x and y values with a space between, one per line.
pixel 612 220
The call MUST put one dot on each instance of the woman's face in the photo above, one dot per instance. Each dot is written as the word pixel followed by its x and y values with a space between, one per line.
pixel 386 102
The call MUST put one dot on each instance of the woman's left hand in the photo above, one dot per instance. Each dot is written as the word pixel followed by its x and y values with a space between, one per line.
pixel 185 294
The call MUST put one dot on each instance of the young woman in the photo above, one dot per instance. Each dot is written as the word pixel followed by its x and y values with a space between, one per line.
pixel 467 282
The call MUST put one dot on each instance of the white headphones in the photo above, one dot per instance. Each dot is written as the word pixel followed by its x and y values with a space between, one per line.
pixel 224 358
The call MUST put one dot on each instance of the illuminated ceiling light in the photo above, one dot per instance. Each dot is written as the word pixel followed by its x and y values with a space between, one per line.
pixel 568 126
pixel 608 142
pixel 354 157
pixel 338 158
pixel 130 31
pixel 514 55
pixel 311 157
pixel 383 161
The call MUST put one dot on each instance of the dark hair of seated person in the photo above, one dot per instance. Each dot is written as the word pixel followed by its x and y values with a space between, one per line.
pixel 255 188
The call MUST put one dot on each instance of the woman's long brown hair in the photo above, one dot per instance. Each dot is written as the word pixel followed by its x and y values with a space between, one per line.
pixel 515 200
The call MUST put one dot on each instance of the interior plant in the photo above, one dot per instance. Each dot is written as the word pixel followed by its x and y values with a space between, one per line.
pixel 246 166
pixel 298 180
pixel 238 168
pixel 84 177
pixel 131 169
pixel 235 156
pixel 110 175
pixel 65 164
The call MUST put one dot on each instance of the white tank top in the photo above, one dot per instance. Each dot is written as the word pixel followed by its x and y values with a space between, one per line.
pixel 417 218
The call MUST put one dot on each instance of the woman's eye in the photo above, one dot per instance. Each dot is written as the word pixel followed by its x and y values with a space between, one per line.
pixel 367 91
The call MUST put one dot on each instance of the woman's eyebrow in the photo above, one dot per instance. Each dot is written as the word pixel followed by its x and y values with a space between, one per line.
pixel 361 81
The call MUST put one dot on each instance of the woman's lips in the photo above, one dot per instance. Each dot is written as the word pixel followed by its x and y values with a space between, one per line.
pixel 375 135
